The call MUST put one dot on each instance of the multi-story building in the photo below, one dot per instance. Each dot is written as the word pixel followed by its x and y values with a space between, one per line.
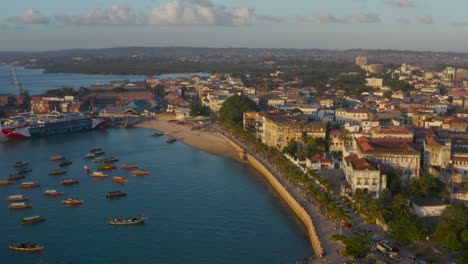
pixel 361 60
pixel 362 174
pixel 437 152
pixel 392 133
pixel 374 82
pixel 352 117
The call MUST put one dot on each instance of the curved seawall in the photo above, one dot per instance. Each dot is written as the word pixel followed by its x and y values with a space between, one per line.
pixel 285 195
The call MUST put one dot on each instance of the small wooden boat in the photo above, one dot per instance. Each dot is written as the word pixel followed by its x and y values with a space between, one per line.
pixel 92 150
pixel 20 164
pixel 111 160
pixel 57 172
pixel 115 194
pixel 17 198
pixel 56 158
pixel 26 247
pixel 52 193
pixel 16 176
pixel 99 174
pixel 32 219
pixel 70 182
pixel 156 134
pixel 6 182
pixel 139 172
pixel 86 169
pixel 171 140
pixel 29 185
pixel 119 179
pixel 98 160
pixel 128 167
pixel 89 156
pixel 19 206
pixel 23 171
pixel 72 201
pixel 107 167
pixel 64 163
pixel 99 153
pixel 128 221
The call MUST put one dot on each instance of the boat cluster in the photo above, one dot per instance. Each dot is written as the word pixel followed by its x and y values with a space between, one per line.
pixel 18 201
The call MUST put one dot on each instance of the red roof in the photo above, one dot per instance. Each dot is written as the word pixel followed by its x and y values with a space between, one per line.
pixel 334 132
pixel 317 158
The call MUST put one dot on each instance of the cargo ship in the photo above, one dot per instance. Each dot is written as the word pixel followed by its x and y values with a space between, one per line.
pixel 27 125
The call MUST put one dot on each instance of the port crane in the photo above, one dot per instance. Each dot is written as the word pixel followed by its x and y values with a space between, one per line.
pixel 14 80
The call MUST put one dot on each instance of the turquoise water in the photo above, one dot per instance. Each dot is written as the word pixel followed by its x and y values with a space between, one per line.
pixel 37 82
pixel 201 208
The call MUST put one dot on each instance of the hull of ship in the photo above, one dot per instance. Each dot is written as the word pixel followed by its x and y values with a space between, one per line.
pixel 51 129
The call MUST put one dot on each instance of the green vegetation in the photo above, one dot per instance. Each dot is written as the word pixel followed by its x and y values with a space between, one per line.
pixel 355 246
pixel 452 230
pixel 425 186
pixel 197 109
pixel 159 91
pixel 233 108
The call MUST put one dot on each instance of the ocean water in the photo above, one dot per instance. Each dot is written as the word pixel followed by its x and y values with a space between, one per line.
pixel 37 82
pixel 201 208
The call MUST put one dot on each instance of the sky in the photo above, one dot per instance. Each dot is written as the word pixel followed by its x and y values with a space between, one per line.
pixel 32 25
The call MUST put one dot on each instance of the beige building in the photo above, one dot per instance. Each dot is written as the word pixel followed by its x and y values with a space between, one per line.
pixel 374 82
pixel 395 133
pixel 361 174
pixel 436 152
pixel 361 60
pixel 352 117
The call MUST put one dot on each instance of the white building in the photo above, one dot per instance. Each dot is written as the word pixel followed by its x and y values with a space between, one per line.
pixel 374 82
pixel 361 174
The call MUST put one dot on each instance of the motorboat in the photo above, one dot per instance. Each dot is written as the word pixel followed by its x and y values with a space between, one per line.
pixel 20 164
pixel 29 185
pixel 6 182
pixel 89 156
pixel 56 158
pixel 115 194
pixel 64 163
pixel 128 167
pixel 26 247
pixel 119 179
pixel 99 174
pixel 17 198
pixel 72 201
pixel 57 172
pixel 111 160
pixel 32 219
pixel 107 167
pixel 128 221
pixel 139 173
pixel 16 176
pixel 52 193
pixel 70 182
pixel 21 205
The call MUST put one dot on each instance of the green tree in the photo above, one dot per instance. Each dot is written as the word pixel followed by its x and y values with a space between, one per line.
pixel 425 186
pixel 405 230
pixel 197 109
pixel 393 181
pixel 231 112
pixel 355 246
pixel 159 91
pixel 453 222
pixel 388 94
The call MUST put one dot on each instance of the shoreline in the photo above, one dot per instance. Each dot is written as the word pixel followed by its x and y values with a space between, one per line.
pixel 205 140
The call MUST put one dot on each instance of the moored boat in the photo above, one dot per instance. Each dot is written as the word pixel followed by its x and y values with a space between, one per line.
pixel 21 205
pixel 26 247
pixel 171 140
pixel 115 194
pixel 86 169
pixel 32 219
pixel 128 221
pixel 98 159
pixel 99 174
pixel 139 172
pixel 16 176
pixel 128 167
pixel 119 179
pixel 6 182
pixel 56 158
pixel 17 198
pixel 52 193
pixel 72 201
pixel 70 182
pixel 111 160
pixel 95 149
pixel 65 163
pixel 107 167
pixel 29 185
pixel 57 172
pixel 99 153
pixel 156 134
pixel 23 171
pixel 20 164
pixel 89 156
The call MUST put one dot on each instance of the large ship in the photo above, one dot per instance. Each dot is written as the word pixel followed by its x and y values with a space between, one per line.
pixel 27 125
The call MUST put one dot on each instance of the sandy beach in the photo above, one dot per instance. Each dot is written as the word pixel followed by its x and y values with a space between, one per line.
pixel 207 141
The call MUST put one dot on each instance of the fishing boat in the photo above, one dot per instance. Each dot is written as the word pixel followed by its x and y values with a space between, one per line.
pixel 20 164
pixel 128 221
pixel 32 219
pixel 139 172
pixel 17 198
pixel 171 140
pixel 16 176
pixel 29 185
pixel 57 172
pixel 156 134
pixel 111 160
pixel 6 182
pixel 115 194
pixel 128 167
pixel 86 169
pixel 70 182
pixel 119 179
pixel 107 167
pixel 21 205
pixel 64 163
pixel 92 150
pixel 99 174
pixel 26 247
pixel 89 156
pixel 24 171
pixel 99 153
pixel 52 193
pixel 56 158
pixel 72 201
pixel 98 159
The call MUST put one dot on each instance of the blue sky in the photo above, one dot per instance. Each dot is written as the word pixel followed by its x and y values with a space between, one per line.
pixel 32 25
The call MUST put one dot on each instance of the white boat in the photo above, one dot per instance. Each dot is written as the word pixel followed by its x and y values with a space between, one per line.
pixel 98 159
pixel 17 198
pixel 98 174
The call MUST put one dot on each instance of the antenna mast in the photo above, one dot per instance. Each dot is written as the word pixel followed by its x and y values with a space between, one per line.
pixel 14 79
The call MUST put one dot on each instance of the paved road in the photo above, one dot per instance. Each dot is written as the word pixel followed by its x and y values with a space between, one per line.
pixel 323 226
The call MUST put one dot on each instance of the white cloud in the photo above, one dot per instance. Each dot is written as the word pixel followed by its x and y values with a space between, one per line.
pixel 400 3
pixel 427 19
pixel 270 18
pixel 354 18
pixel 29 16
pixel 116 15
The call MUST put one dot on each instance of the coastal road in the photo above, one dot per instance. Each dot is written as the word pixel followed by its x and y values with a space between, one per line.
pixel 323 226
